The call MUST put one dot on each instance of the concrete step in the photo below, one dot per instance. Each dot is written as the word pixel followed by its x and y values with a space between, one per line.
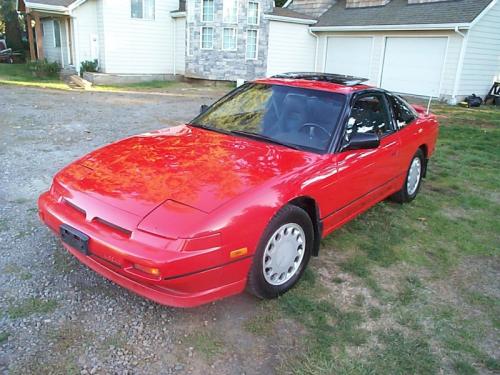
pixel 77 82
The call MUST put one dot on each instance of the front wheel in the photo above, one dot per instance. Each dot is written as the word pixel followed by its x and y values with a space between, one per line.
pixel 283 253
pixel 413 180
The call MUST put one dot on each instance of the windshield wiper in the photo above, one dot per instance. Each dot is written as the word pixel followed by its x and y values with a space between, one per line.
pixel 210 128
pixel 261 137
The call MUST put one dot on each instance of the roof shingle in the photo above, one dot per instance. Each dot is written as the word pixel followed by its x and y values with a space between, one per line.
pixel 284 12
pixel 399 12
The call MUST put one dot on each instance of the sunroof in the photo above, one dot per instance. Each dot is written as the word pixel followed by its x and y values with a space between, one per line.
pixel 340 79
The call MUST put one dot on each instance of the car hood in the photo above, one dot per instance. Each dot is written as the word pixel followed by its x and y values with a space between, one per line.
pixel 198 168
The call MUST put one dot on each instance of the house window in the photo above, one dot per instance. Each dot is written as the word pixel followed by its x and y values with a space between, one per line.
pixel 143 9
pixel 208 11
pixel 253 13
pixel 207 38
pixel 251 44
pixel 57 34
pixel 230 11
pixel 229 39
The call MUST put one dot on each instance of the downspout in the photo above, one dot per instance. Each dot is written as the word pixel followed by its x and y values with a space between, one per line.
pixel 316 50
pixel 465 38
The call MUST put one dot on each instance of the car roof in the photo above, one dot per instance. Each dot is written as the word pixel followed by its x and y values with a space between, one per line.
pixel 341 84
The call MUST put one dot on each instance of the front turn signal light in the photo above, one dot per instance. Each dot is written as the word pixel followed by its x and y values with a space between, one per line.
pixel 149 270
pixel 238 253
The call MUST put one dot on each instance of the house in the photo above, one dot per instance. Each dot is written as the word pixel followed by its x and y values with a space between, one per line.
pixel 127 37
pixel 447 49
pixel 441 48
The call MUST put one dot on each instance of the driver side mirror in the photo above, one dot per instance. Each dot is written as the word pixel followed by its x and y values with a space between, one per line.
pixel 362 141
pixel 203 108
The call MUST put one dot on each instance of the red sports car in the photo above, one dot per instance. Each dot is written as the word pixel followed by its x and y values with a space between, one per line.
pixel 242 195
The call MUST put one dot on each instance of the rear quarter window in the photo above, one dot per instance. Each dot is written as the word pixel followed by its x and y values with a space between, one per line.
pixel 403 112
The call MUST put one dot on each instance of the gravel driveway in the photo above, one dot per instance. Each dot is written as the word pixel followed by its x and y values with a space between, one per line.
pixel 57 316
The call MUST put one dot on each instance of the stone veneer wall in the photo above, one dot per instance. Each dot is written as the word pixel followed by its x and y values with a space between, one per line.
pixel 217 64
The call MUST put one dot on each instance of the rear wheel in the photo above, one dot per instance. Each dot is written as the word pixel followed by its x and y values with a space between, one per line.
pixel 283 253
pixel 413 180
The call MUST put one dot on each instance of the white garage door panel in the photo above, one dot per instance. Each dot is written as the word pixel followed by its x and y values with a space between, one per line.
pixel 351 56
pixel 414 65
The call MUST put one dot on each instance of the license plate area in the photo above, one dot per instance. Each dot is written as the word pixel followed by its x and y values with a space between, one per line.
pixel 74 238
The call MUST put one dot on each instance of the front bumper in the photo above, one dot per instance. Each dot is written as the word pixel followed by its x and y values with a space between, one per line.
pixel 187 279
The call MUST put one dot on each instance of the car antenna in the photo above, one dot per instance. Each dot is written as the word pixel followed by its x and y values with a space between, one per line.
pixel 429 106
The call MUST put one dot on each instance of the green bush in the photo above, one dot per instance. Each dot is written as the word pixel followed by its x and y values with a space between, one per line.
pixel 43 68
pixel 89 66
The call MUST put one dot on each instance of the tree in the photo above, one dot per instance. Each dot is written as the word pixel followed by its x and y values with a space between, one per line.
pixel 9 18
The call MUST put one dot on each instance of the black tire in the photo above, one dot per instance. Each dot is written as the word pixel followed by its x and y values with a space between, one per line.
pixel 403 196
pixel 257 284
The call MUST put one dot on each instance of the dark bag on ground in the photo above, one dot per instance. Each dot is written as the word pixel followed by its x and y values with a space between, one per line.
pixel 473 101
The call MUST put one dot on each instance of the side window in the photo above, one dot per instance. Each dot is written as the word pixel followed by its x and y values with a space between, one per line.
pixel 369 114
pixel 403 114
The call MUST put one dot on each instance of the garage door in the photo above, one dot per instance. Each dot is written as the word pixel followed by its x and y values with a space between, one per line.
pixel 351 56
pixel 414 65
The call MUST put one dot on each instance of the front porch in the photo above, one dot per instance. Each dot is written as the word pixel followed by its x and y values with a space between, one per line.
pixel 50 35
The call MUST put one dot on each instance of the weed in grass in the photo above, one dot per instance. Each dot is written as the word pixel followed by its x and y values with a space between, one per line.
pixel 328 327
pixel 69 335
pixel 464 368
pixel 409 293
pixel 262 324
pixel 4 336
pixel 337 280
pixel 13 269
pixel 31 306
pixel 63 261
pixel 22 234
pixel 374 312
pixel 400 354
pixel 357 265
pixel 4 225
pixel 208 343
pixel 359 300
pixel 492 364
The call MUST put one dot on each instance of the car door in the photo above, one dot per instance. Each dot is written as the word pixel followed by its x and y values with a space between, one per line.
pixel 364 176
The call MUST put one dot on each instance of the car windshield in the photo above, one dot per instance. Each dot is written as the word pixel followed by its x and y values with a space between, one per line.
pixel 292 116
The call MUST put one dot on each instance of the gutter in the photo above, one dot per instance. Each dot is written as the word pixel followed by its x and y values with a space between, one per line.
pixel 439 26
pixel 316 49
pixel 176 14
pixel 303 21
pixel 55 9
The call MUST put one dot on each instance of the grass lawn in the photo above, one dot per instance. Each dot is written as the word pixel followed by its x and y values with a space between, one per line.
pixel 18 74
pixel 408 289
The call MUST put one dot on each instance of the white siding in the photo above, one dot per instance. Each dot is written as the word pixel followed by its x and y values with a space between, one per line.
pixel 481 64
pixel 101 36
pixel 84 30
pixel 291 48
pixel 378 51
pixel 52 53
pixel 137 46
pixel 180 45
pixel 64 41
